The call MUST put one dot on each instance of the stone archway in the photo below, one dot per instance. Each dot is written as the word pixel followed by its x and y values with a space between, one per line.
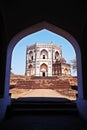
pixel 44 70
pixel 35 28
pixel 30 70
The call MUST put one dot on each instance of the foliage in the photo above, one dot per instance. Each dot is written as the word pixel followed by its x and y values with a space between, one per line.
pixel 74 64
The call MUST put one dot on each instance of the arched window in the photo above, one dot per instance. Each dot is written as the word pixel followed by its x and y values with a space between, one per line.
pixel 44 54
pixel 56 54
pixel 30 55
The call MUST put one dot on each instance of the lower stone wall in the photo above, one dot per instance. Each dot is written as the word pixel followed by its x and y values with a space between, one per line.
pixel 21 81
pixel 64 85
pixel 42 84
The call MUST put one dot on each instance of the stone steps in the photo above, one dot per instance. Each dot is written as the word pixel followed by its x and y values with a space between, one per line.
pixel 43 83
pixel 42 106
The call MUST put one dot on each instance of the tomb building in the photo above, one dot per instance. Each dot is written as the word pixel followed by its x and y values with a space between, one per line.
pixel 45 59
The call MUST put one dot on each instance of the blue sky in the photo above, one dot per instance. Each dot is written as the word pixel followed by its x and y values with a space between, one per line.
pixel 44 36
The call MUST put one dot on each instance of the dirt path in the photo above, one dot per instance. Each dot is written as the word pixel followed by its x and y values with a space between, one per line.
pixel 42 93
pixel 16 93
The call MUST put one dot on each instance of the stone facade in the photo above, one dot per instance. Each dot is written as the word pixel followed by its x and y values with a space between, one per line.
pixel 45 60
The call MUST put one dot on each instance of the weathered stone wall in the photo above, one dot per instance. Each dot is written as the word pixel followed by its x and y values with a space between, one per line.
pixel 19 79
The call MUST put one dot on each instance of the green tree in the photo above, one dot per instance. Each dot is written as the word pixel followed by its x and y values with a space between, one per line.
pixel 74 64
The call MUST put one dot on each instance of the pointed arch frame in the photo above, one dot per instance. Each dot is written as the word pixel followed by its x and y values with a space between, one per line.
pixel 52 28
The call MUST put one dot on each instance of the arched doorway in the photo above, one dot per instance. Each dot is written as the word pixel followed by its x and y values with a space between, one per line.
pixel 30 70
pixel 44 70
pixel 40 26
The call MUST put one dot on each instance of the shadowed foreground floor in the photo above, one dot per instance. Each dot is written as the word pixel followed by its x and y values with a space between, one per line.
pixel 44 122
pixel 58 114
